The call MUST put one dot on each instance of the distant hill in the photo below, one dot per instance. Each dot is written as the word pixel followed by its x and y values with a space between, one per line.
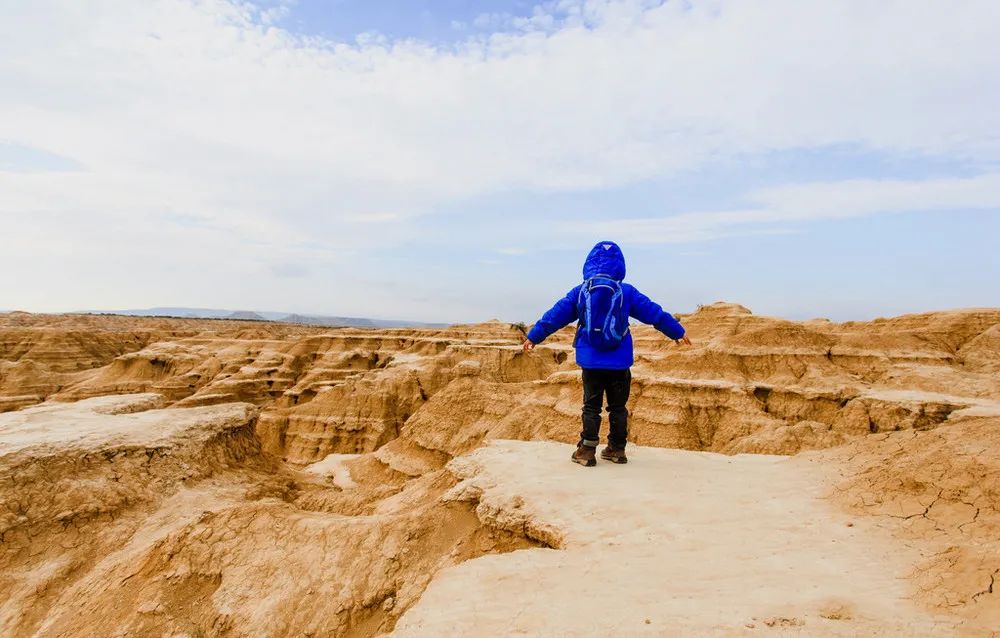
pixel 333 322
pixel 261 315
pixel 246 315
pixel 169 311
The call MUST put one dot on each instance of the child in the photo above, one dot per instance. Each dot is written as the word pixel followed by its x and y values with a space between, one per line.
pixel 602 305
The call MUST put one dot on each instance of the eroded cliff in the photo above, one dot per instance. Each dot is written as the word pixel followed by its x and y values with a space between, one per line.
pixel 248 478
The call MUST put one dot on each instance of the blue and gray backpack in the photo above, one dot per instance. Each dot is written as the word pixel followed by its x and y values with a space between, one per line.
pixel 601 312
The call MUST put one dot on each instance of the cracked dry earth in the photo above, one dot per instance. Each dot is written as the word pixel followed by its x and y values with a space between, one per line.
pixel 171 477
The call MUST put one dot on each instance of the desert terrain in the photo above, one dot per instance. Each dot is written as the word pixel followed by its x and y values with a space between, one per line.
pixel 195 478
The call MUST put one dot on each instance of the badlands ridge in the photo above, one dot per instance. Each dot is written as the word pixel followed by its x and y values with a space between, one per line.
pixel 180 477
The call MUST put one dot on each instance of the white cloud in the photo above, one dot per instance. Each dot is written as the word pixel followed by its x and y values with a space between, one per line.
pixel 288 271
pixel 373 218
pixel 805 202
pixel 491 20
pixel 209 91
pixel 208 109
pixel 852 198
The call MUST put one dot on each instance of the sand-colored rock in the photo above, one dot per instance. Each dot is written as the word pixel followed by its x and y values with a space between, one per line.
pixel 753 384
pixel 677 543
pixel 938 490
pixel 240 478
pixel 172 522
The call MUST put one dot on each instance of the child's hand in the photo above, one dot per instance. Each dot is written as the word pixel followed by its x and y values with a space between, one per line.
pixel 528 346
pixel 683 341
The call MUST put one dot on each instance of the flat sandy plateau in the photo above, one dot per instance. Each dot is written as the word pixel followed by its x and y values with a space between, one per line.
pixel 674 543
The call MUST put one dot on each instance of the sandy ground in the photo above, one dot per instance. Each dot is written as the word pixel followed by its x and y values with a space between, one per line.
pixel 675 543
pixel 333 466
pixel 104 422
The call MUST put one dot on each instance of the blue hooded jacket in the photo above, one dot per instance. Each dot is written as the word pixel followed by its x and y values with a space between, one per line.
pixel 606 258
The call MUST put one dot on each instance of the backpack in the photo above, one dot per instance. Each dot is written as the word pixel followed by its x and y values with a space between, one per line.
pixel 601 312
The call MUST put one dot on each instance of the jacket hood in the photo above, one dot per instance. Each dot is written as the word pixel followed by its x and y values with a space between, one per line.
pixel 605 258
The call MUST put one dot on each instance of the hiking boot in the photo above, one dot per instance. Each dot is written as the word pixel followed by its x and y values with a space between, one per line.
pixel 584 455
pixel 614 454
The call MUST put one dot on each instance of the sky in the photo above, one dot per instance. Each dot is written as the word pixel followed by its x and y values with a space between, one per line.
pixel 456 160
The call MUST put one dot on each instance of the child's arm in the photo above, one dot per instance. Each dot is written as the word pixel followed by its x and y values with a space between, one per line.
pixel 648 311
pixel 559 316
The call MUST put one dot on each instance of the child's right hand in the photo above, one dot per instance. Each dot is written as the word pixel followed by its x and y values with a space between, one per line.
pixel 528 346
pixel 683 341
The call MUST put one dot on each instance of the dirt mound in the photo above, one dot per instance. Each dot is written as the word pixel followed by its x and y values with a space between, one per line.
pixel 779 336
pixel 723 309
pixel 982 353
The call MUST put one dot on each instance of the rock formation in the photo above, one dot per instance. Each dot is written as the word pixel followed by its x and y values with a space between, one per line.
pixel 224 477
pixel 117 522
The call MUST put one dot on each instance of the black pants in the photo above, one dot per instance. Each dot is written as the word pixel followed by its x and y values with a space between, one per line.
pixel 616 385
